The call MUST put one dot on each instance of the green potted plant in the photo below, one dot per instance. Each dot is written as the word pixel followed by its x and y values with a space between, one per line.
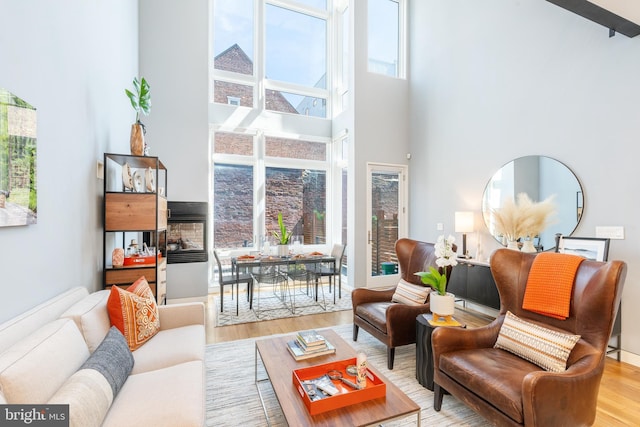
pixel 441 302
pixel 141 102
pixel 283 236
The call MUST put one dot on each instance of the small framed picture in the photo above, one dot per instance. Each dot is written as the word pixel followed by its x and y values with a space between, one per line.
pixel 592 248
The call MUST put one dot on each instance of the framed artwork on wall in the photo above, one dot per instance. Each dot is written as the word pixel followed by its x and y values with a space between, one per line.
pixel 18 189
pixel 592 248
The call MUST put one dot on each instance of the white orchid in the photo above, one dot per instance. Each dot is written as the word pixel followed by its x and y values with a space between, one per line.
pixel 445 256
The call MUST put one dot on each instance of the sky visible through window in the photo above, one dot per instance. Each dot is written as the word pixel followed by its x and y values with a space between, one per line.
pixel 233 23
pixel 295 43
pixel 383 36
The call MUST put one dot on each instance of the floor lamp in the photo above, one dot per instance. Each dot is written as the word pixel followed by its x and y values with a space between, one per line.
pixel 464 225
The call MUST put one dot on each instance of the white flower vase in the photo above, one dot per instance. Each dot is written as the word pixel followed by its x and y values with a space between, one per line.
pixel 283 250
pixel 527 246
pixel 442 306
pixel 513 244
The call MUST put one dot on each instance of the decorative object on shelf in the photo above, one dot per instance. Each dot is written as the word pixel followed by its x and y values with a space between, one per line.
pixel 133 248
pixel 141 103
pixel 117 257
pixel 136 140
pixel 148 179
pixel 282 236
pixel 464 224
pixel 127 179
pixel 527 246
pixel 512 244
pixel 138 182
pixel 593 248
pixel 523 219
pixel 441 302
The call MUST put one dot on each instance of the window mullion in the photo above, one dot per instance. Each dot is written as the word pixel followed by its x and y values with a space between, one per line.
pixel 259 185
pixel 259 49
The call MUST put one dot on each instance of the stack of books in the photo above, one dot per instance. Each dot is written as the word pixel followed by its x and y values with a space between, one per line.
pixel 309 344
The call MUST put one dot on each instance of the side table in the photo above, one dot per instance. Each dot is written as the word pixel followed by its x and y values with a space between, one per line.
pixel 424 357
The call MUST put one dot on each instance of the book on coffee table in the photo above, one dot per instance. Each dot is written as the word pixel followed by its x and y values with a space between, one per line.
pixel 299 353
pixel 310 338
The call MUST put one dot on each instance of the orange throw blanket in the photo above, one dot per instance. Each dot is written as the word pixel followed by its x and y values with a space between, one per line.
pixel 550 284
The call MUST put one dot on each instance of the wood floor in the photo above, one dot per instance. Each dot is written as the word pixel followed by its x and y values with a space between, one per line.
pixel 618 401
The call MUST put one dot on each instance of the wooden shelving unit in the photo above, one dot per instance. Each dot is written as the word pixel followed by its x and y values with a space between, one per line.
pixel 138 213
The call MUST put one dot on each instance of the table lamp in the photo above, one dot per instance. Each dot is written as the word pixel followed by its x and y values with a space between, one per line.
pixel 464 225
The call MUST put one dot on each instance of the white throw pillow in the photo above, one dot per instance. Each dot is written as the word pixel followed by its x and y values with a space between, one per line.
pixel 410 294
pixel 34 368
pixel 546 348
pixel 91 317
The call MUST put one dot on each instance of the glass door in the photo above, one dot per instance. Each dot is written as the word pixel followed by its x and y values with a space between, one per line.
pixel 386 207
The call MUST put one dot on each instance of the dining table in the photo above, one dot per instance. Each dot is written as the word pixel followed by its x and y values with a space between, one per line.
pixel 248 261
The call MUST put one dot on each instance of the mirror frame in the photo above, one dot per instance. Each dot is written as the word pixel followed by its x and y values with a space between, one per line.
pixel 548 240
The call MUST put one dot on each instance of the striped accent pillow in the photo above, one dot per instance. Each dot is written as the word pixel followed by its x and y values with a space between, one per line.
pixel 544 347
pixel 410 294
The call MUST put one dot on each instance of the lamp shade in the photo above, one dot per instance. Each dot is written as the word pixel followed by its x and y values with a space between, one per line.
pixel 464 222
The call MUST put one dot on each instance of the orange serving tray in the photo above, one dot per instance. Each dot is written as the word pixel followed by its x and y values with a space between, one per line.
pixel 375 388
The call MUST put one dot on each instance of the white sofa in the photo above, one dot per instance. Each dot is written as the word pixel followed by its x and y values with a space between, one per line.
pixel 41 350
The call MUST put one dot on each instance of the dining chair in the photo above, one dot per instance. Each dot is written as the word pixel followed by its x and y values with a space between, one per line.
pixel 303 279
pixel 269 278
pixel 232 279
pixel 332 269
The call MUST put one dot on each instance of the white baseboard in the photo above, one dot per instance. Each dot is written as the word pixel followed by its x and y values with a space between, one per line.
pixel 182 300
pixel 627 357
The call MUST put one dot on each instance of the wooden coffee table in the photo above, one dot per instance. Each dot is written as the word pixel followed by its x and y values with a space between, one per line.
pixel 279 365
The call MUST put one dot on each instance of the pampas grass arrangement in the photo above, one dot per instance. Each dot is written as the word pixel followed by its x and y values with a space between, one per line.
pixel 524 218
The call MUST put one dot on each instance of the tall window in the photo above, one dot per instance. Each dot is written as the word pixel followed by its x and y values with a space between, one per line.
pixel 294 183
pixel 385 24
pixel 292 75
pixel 271 102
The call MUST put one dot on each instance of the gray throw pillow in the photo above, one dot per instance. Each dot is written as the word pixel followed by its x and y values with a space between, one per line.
pixel 112 359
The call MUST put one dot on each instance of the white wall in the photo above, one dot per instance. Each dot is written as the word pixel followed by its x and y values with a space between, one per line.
pixel 174 59
pixel 496 80
pixel 72 61
pixel 380 134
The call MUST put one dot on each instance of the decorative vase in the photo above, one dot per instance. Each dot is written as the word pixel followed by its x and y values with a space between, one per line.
pixel 117 257
pixel 137 140
pixel 527 246
pixel 283 250
pixel 442 306
pixel 513 244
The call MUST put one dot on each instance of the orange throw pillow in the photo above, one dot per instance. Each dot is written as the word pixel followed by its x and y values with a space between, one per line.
pixel 134 312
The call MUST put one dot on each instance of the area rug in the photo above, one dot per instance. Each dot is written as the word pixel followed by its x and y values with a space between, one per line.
pixel 271 308
pixel 232 398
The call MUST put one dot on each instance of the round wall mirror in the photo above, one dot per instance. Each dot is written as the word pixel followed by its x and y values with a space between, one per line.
pixel 539 177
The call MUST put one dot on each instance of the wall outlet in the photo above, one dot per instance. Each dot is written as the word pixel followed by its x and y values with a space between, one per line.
pixel 439 226
pixel 610 232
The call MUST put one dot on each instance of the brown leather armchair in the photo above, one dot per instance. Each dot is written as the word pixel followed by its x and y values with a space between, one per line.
pixel 510 391
pixel 392 323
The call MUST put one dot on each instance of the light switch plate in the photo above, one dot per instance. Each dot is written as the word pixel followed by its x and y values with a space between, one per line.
pixel 610 232
pixel 99 169
pixel 439 226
